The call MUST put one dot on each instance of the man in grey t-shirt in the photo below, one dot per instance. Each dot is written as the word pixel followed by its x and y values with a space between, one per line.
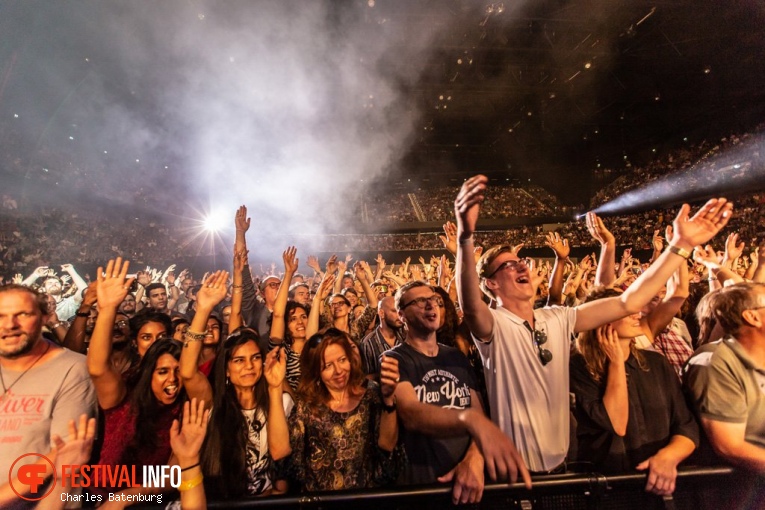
pixel 42 387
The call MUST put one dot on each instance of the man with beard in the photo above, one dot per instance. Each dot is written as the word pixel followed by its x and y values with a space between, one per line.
pixel 156 293
pixel 128 306
pixel 52 285
pixel 386 336
pixel 42 387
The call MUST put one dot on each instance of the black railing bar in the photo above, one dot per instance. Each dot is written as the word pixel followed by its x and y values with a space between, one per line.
pixel 570 481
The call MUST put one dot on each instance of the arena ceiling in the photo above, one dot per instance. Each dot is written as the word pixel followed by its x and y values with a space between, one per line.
pixel 542 90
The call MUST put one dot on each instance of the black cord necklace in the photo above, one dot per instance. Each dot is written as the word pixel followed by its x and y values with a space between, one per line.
pixel 2 380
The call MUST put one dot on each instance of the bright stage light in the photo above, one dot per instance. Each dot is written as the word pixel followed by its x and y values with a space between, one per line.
pixel 214 222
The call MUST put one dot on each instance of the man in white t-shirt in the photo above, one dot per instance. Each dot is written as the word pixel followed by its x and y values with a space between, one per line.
pixel 526 351
pixel 42 387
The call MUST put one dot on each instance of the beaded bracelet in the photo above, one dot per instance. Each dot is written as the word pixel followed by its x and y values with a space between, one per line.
pixel 195 335
pixel 187 486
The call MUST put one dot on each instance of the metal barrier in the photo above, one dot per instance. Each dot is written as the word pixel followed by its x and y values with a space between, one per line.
pixel 697 489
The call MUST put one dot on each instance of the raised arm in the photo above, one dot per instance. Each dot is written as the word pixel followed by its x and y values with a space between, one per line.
pixel 561 248
pixel 75 336
pixel 237 291
pixel 605 274
pixel 278 320
pixel 274 370
pixel 186 441
pixel 687 233
pixel 317 307
pixel 363 278
pixel 77 280
pixel 111 290
pixel 211 293
pixel 467 207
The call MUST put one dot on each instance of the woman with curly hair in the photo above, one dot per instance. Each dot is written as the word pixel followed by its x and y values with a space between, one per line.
pixel 343 430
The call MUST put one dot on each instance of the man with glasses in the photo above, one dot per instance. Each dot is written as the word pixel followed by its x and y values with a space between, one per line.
pixel 526 351
pixel 726 383
pixel 445 432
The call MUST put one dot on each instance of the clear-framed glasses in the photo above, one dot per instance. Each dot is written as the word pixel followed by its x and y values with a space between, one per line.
pixel 512 265
pixel 421 302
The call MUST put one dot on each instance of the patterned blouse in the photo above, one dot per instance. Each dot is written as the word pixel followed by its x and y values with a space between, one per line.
pixel 338 450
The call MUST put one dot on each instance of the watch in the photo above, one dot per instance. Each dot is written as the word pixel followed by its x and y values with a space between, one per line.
pixel 389 408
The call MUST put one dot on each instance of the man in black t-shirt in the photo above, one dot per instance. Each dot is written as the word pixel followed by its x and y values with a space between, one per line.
pixel 445 432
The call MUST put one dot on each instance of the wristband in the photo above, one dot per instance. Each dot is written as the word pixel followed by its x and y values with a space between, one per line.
pixel 388 408
pixel 187 486
pixel 189 467
pixel 82 314
pixel 466 240
pixel 679 251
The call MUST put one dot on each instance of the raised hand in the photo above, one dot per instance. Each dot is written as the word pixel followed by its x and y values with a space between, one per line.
pixel 703 226
pixel 113 284
pixel 212 291
pixel 275 367
pixel 656 241
pixel 291 263
pixel 241 221
pixel 598 230
pixel 186 441
pixel 558 244
pixel 449 237
pixel 332 264
pixel 467 205
pixel 733 249
pixel 325 286
pixel 240 260
pixel 380 261
pixel 78 445
pixel 313 263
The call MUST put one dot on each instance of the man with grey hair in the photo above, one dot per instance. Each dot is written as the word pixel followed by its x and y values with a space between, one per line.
pixel 726 380
pixel 43 387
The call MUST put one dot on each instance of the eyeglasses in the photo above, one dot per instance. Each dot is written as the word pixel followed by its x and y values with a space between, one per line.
pixel 512 265
pixel 421 302
pixel 539 338
pixel 121 324
pixel 337 303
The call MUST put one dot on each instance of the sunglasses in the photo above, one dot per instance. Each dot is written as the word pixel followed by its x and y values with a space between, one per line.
pixel 540 338
pixel 512 265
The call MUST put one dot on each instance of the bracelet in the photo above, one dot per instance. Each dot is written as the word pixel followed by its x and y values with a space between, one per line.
pixel 189 467
pixel 82 314
pixel 679 251
pixel 234 286
pixel 56 325
pixel 187 486
pixel 466 240
pixel 195 335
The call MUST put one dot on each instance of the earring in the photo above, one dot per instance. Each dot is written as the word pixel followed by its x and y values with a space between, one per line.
pixel 228 381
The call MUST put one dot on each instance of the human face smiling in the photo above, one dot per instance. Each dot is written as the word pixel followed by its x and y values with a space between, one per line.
pixel 336 368
pixel 245 367
pixel 628 327
pixel 212 335
pixel 165 381
pixel 148 334
pixel 296 323
pixel 510 276
pixel 339 307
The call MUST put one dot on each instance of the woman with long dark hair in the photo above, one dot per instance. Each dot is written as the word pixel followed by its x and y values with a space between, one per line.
pixel 289 321
pixel 137 417
pixel 248 428
pixel 630 409
pixel 343 430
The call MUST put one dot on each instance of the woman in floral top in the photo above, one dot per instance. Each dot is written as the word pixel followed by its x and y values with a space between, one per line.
pixel 343 430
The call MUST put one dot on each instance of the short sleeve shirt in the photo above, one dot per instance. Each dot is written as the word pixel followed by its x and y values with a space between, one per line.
pixel 725 385
pixel 530 401
pixel 444 380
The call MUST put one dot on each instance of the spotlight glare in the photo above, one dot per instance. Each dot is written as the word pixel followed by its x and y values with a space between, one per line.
pixel 214 222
